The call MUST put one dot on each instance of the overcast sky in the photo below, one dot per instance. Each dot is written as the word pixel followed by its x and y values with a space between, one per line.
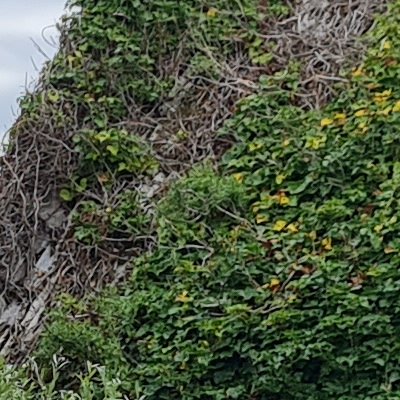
pixel 22 21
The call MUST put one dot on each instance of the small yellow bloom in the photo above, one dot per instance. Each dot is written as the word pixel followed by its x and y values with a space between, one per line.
pixel 274 282
pixel 183 297
pixel 340 116
pixel 212 12
pixel 383 96
pixel 387 45
pixel 312 235
pixel 286 142
pixel 326 122
pixel 279 225
pixel 261 218
pixel 239 177
pixel 283 199
pixel 358 72
pixel 327 244
pixel 279 179
pixel 292 228
pixel 396 107
pixel 361 113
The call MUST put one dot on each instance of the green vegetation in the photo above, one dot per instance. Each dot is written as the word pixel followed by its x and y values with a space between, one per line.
pixel 275 274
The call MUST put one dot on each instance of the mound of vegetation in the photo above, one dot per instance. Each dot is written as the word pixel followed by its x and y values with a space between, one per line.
pixel 275 276
pixel 267 271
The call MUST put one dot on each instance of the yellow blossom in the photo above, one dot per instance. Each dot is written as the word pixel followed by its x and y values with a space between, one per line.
pixel 361 113
pixel 326 122
pixel 183 297
pixel 358 72
pixel 312 235
pixel 283 199
pixel 274 282
pixel 383 96
pixel 279 225
pixel 396 107
pixel 327 244
pixel 261 218
pixel 292 228
pixel 286 142
pixel 280 178
pixel 212 12
pixel 340 116
pixel 239 177
pixel 387 45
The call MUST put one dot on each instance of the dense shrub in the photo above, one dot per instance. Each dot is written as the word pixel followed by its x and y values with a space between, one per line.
pixel 276 276
pixel 277 279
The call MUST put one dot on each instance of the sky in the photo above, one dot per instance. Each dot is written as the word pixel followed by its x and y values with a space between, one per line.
pixel 23 22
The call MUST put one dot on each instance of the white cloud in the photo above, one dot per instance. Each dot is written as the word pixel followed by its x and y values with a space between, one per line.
pixel 20 22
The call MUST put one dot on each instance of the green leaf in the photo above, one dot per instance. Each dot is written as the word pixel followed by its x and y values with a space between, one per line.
pixel 66 195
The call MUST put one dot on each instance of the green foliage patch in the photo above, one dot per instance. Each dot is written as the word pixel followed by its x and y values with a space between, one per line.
pixel 275 277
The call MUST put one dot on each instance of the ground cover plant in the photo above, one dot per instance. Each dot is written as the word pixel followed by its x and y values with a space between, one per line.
pixel 263 262
pixel 275 276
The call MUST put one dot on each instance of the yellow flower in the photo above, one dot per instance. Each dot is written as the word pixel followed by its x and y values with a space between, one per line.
pixel 358 72
pixel 212 12
pixel 286 142
pixel 183 297
pixel 312 235
pixel 279 179
pixel 239 177
pixel 283 199
pixel 261 218
pixel 340 116
pixel 327 244
pixel 292 228
pixel 387 45
pixel 274 282
pixel 326 122
pixel 361 113
pixel 279 225
pixel 396 107
pixel 382 97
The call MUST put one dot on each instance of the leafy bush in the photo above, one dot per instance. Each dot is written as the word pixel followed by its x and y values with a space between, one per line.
pixel 278 277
